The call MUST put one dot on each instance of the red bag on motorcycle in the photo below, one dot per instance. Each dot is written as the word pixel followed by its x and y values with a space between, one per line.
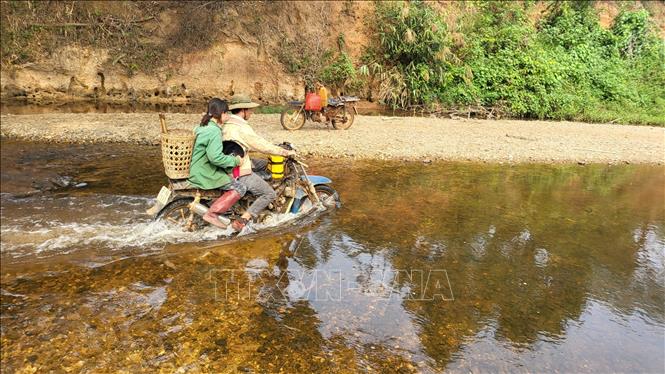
pixel 312 102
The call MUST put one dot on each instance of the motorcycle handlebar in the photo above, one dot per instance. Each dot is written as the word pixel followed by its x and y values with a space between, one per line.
pixel 298 160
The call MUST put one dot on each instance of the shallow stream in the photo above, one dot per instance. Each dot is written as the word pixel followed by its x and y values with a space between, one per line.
pixel 426 267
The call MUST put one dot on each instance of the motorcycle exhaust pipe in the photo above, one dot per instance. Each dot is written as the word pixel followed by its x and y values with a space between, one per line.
pixel 201 209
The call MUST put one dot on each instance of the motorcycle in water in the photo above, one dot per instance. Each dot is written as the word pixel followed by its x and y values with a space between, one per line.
pixel 184 205
pixel 340 113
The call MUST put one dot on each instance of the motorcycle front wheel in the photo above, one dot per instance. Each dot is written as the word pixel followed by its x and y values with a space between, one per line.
pixel 292 118
pixel 343 121
pixel 327 195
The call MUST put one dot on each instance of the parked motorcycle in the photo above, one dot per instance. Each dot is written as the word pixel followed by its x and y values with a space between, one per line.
pixel 184 205
pixel 340 113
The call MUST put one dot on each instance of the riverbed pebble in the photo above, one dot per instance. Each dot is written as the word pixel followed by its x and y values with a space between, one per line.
pixel 373 137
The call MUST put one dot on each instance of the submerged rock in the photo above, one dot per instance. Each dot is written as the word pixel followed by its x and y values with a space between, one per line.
pixel 57 182
pixel 61 181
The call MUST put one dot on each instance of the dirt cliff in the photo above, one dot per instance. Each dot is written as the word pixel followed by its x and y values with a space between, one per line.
pixel 163 51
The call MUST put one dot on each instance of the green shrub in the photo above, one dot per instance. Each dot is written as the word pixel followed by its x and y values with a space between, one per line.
pixel 340 73
pixel 564 67
pixel 411 44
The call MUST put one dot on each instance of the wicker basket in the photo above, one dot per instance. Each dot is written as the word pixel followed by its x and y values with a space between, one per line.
pixel 177 147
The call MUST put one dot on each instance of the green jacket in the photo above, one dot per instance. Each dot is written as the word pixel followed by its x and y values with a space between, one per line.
pixel 209 167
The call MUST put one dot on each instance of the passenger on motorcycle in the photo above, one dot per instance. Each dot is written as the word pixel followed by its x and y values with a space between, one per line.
pixel 237 129
pixel 210 167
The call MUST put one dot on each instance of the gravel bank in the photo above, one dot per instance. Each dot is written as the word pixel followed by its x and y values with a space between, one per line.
pixel 409 138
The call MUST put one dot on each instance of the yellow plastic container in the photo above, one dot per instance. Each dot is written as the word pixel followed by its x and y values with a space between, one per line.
pixel 323 92
pixel 277 167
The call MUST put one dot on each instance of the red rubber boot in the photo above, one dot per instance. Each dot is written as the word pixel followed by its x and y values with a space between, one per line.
pixel 221 205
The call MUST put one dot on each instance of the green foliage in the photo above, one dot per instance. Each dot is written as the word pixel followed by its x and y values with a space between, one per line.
pixel 341 41
pixel 411 45
pixel 340 73
pixel 411 33
pixel 307 59
pixel 269 109
pixel 632 34
pixel 564 67
pixel 511 68
pixel 304 57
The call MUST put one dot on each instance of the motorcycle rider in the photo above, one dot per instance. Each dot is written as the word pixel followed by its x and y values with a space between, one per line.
pixel 209 167
pixel 237 129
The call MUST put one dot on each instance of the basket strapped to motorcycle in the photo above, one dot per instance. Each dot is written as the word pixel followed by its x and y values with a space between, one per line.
pixel 177 146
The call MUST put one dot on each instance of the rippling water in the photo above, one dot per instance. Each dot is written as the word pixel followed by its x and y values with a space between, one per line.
pixel 457 267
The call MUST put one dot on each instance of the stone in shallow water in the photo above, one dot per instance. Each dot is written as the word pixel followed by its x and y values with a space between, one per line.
pixel 61 181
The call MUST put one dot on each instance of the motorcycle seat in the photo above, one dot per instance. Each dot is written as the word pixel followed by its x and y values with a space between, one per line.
pixel 183 187
pixel 181 184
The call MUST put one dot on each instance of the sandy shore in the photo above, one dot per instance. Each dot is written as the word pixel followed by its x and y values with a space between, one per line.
pixel 408 138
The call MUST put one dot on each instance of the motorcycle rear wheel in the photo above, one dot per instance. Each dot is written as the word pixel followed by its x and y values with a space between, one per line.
pixel 292 118
pixel 177 212
pixel 339 123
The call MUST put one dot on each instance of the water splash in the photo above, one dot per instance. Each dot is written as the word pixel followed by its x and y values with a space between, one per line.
pixel 59 225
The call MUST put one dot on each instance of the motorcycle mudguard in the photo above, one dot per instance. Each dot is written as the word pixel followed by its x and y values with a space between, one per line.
pixel 317 179
pixel 164 197
pixel 300 194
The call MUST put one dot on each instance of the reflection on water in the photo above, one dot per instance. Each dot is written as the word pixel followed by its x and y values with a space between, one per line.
pixel 461 267
pixel 21 107
pixel 99 107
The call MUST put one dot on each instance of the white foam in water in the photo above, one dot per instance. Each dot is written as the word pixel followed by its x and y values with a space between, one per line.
pixel 64 237
pixel 123 227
